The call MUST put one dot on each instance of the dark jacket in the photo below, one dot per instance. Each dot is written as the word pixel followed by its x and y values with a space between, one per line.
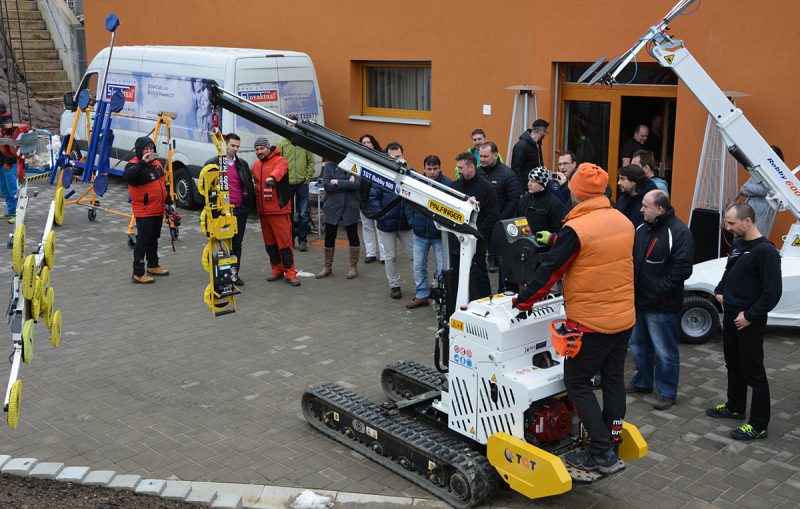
pixel 663 254
pixel 146 183
pixel 506 187
pixel 527 155
pixel 423 225
pixel 395 219
pixel 341 200
pixel 481 189
pixel 631 206
pixel 751 283
pixel 543 210
pixel 246 177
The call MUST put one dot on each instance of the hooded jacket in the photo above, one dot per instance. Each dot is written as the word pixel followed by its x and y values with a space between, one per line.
pixel 274 166
pixel 527 155
pixel 663 255
pixel 146 183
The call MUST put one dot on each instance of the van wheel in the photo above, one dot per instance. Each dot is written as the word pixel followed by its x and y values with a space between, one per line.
pixel 183 189
pixel 699 319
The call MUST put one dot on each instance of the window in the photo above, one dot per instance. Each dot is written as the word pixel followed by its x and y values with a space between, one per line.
pixel 396 89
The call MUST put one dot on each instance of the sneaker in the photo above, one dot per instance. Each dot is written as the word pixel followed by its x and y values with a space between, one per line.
pixel 157 271
pixel 293 281
pixel 747 432
pixel 12 219
pixel 417 303
pixel 663 403
pixel 3 215
pixel 395 293
pixel 144 279
pixel 275 277
pixel 303 246
pixel 632 389
pixel 370 259
pixel 722 411
pixel 607 462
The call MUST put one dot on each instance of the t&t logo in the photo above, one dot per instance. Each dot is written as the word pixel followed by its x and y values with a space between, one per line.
pixel 519 459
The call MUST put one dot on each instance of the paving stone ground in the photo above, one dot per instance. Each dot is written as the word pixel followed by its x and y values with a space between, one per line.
pixel 147 383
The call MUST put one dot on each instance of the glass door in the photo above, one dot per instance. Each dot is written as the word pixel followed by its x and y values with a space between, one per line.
pixel 586 130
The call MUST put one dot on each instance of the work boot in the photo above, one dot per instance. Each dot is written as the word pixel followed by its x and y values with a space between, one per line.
pixel 664 403
pixel 355 252
pixel 417 303
pixel 143 279
pixel 395 292
pixel 293 281
pixel 157 271
pixel 327 264
pixel 275 275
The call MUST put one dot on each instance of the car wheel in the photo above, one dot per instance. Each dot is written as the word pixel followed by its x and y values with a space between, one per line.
pixel 183 189
pixel 699 319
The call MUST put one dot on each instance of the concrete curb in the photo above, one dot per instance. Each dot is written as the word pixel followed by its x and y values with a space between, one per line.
pixel 211 494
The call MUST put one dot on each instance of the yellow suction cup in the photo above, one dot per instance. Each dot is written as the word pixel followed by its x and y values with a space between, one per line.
pixel 207 258
pixel 211 301
pixel 55 329
pixel 44 275
pixel 27 340
pixel 18 248
pixel 14 400
pixel 203 216
pixel 36 300
pixel 50 249
pixel 48 303
pixel 205 180
pixel 28 276
pixel 58 217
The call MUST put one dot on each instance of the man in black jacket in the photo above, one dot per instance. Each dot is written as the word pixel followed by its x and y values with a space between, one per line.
pixel 505 186
pixel 750 288
pixel 633 185
pixel 527 153
pixel 241 193
pixel 663 253
pixel 540 206
pixel 472 184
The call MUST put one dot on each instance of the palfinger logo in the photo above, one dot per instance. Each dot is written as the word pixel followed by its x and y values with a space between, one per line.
pixel 445 211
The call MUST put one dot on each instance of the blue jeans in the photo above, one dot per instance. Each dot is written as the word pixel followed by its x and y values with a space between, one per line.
pixel 9 184
pixel 421 247
pixel 299 199
pixel 654 346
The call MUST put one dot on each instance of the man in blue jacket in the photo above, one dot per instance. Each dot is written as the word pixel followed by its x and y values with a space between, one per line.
pixel 663 253
pixel 426 236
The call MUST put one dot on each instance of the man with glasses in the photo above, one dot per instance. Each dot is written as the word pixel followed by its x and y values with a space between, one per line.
pixel 527 153
pixel 634 144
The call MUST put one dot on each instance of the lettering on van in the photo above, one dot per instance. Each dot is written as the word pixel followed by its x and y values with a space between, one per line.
pixel 127 91
pixel 260 96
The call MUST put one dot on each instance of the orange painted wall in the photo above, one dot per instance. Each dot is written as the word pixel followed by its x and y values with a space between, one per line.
pixel 478 49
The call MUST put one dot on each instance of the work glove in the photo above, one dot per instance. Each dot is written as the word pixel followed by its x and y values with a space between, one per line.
pixel 544 238
pixel 269 182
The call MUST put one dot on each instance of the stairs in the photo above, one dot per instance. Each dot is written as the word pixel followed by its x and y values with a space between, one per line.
pixel 40 64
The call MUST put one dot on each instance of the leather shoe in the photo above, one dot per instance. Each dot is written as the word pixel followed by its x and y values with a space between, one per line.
pixel 157 271
pixel 417 303
pixel 370 259
pixel 663 403
pixel 143 279
pixel 275 277
pixel 395 293
pixel 293 282
pixel 632 389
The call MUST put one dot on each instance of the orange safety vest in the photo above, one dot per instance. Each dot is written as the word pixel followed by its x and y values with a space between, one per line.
pixel 598 285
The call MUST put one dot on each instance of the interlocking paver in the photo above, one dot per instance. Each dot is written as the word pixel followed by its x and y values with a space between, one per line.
pixel 146 382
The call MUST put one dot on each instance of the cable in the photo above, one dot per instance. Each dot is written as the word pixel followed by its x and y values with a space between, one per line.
pixel 635 71
pixel 693 10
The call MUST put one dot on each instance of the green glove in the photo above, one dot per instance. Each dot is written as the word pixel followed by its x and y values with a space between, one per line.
pixel 544 237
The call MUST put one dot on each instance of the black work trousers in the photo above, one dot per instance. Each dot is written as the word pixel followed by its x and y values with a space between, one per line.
pixel 744 358
pixel 148 231
pixel 603 353
pixel 238 239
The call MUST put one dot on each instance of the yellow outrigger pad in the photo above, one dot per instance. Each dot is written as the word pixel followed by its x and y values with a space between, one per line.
pixel 633 446
pixel 526 468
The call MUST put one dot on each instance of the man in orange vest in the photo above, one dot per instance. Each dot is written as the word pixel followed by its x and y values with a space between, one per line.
pixel 274 206
pixel 594 254
pixel 145 178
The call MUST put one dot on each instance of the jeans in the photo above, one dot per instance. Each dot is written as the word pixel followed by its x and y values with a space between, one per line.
pixel 9 184
pixel 744 358
pixel 390 249
pixel 604 353
pixel 372 239
pixel 654 346
pixel 299 200
pixel 421 247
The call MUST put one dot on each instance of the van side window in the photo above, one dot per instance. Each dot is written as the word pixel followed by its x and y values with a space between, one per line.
pixel 89 82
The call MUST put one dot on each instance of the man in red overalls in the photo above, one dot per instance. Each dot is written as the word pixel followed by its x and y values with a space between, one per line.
pixel 274 206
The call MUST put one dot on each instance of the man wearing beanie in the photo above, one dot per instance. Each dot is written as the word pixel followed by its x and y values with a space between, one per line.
pixel 593 253
pixel 539 205
pixel 274 206
pixel 145 177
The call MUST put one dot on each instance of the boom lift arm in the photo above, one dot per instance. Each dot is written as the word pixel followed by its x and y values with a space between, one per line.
pixel 744 142
pixel 453 211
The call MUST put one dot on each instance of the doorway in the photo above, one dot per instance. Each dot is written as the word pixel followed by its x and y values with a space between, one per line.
pixel 658 114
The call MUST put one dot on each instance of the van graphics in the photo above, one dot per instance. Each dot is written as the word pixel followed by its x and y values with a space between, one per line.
pixel 148 94
pixel 285 97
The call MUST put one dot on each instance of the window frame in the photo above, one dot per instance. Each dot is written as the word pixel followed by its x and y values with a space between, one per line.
pixel 392 112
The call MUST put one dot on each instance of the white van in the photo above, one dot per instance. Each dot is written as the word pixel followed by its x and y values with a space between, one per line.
pixel 175 79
